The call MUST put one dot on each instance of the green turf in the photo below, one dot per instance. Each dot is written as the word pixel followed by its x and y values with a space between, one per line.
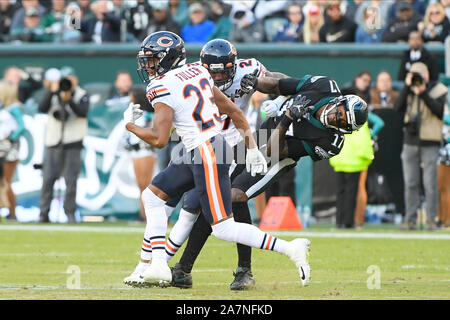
pixel 33 265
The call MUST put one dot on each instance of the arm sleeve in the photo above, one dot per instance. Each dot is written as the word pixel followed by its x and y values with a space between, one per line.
pixel 400 102
pixel 376 123
pixel 81 109
pixel 289 86
pixel 435 105
pixel 44 106
pixel 17 114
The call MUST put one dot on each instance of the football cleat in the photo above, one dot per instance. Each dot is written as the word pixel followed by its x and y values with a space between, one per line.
pixel 181 279
pixel 243 279
pixel 135 279
pixel 157 274
pixel 298 252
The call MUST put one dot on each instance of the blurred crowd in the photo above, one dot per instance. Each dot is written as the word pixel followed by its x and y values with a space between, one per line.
pixel 409 119
pixel 197 21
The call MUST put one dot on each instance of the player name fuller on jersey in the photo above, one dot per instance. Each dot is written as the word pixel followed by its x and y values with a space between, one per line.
pixel 188 74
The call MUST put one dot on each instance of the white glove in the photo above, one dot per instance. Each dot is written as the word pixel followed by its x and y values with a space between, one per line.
pixel 255 162
pixel 270 108
pixel 132 113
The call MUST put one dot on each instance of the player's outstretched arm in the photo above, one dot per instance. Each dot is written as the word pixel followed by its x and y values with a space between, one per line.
pixel 158 135
pixel 277 138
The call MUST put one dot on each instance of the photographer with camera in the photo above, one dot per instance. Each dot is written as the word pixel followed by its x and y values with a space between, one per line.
pixel 421 105
pixel 67 106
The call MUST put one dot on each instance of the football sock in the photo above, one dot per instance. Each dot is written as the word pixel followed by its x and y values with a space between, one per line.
pixel 146 247
pixel 241 213
pixel 197 238
pixel 247 234
pixel 157 223
pixel 179 232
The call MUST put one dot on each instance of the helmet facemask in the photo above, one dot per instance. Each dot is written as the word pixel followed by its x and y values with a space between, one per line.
pixel 331 112
pixel 147 61
pixel 228 71
pixel 159 61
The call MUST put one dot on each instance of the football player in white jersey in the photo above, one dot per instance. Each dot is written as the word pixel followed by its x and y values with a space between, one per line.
pixel 184 95
pixel 219 56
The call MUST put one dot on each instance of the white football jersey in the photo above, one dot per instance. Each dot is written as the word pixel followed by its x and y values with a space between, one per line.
pixel 242 100
pixel 188 90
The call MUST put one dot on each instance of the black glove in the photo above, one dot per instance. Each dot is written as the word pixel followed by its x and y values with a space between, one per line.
pixel 249 82
pixel 299 107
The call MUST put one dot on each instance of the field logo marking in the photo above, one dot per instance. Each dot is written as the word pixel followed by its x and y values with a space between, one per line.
pixel 74 280
pixel 374 280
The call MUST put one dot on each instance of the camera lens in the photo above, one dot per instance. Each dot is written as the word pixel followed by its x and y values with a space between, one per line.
pixel 65 84
pixel 416 79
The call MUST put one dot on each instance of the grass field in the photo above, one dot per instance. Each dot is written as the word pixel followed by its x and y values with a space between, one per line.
pixel 34 260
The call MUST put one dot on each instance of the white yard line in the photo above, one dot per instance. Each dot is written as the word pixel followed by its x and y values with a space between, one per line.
pixel 311 234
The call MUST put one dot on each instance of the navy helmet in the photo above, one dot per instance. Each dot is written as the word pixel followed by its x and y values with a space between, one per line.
pixel 167 47
pixel 219 56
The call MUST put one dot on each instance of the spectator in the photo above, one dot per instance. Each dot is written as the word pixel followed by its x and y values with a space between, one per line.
pixel 162 20
pixel 179 12
pixel 291 31
pixel 142 154
pixel 436 26
pixel 53 22
pixel 7 126
pixel 313 22
pixel 67 106
pixel 355 157
pixel 220 13
pixel 104 26
pixel 421 105
pixel 245 27
pixel 7 10
pixel 405 22
pixel 371 28
pixel 322 4
pixel 418 6
pixel 360 86
pixel 337 27
pixel 383 96
pixel 381 6
pixel 417 53
pixel 199 29
pixel 138 19
pixel 265 9
pixel 25 82
pixel 352 8
pixel 18 20
pixel 85 8
pixel 122 85
pixel 443 174
pixel 32 30
pixel 9 101
pixel 119 7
